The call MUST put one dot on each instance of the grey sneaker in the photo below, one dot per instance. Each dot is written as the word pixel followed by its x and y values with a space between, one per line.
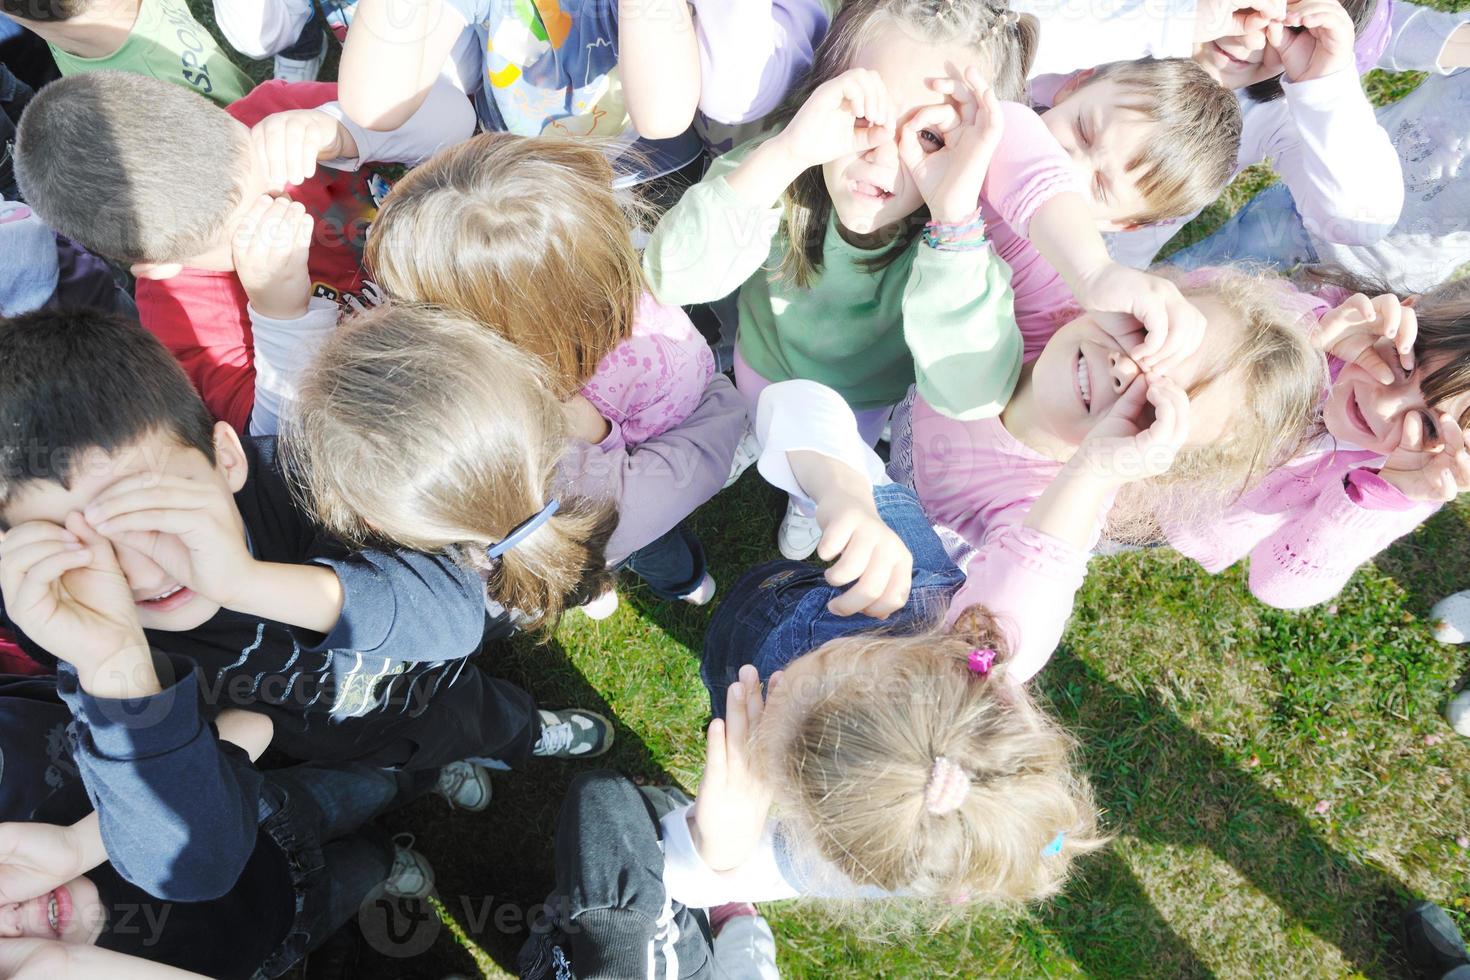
pixel 465 786
pixel 747 451
pixel 412 876
pixel 572 733
pixel 1451 618
pixel 294 70
pixel 703 593
pixel 799 534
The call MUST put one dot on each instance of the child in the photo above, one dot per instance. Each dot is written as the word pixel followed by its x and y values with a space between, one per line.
pixel 482 465
pixel 865 303
pixel 356 657
pixel 1022 502
pixel 505 230
pixel 1392 453
pixel 1430 130
pixel 291 31
pixel 205 286
pixel 157 38
pixel 40 269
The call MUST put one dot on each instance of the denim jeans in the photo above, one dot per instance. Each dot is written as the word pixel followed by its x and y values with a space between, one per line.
pixel 15 95
pixel 310 42
pixel 672 565
pixel 1268 229
pixel 777 611
pixel 317 815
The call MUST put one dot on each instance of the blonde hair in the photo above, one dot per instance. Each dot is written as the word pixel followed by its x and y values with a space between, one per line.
pixel 1005 40
pixel 852 765
pixel 418 428
pixel 524 235
pixel 1194 142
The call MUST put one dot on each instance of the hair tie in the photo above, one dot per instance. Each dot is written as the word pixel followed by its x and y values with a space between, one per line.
pixel 1055 847
pixel 523 530
pixel 980 660
pixel 947 788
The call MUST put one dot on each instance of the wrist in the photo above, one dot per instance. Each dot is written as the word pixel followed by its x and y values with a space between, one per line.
pixel 125 673
pixel 955 233
pixel 281 304
pixel 778 153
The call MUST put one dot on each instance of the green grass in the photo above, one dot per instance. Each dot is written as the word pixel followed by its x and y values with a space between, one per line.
pixel 1214 728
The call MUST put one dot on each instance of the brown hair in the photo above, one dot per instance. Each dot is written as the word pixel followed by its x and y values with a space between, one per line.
pixel 1361 11
pixel 419 428
pixel 1007 42
pixel 155 190
pixel 852 758
pixel 1194 142
pixel 524 235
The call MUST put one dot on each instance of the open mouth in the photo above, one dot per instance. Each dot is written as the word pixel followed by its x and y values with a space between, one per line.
pixel 867 189
pixel 171 598
pixel 58 910
pixel 1357 418
pixel 1084 382
pixel 1238 62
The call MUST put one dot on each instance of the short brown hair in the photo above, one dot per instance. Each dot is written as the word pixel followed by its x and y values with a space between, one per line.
pixel 1192 151
pixel 524 235
pixel 44 11
pixel 135 188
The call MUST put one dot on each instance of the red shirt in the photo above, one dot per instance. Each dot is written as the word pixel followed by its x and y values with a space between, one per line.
pixel 201 316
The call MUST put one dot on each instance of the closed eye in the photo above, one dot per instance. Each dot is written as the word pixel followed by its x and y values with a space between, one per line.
pixel 1083 136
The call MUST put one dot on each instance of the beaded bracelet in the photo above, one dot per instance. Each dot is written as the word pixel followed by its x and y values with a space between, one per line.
pixel 959 236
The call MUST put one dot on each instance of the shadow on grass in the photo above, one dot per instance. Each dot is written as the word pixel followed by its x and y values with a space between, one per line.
pixel 1432 562
pixel 1160 782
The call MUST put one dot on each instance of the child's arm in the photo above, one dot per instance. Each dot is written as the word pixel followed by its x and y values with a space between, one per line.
pixel 48 959
pixel 1423 39
pixel 752 52
pixel 260 28
pixel 658 63
pixel 394 51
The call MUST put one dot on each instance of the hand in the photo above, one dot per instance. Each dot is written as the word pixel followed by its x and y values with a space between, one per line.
pixel 733 802
pixel 287 145
pixel 1215 19
pixel 188 527
pixel 1120 298
pixel 1370 333
pixel 1315 39
pixel 872 557
pixel 585 421
pixel 1121 448
pixel 271 247
pixel 64 589
pixel 951 176
pixel 848 114
pixel 35 858
pixel 1426 467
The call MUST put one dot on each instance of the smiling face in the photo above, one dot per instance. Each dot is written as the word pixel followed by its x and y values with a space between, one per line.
pixel 1368 414
pixel 1104 138
pixel 162 602
pixel 1083 370
pixel 1240 60
pixel 873 190
pixel 70 913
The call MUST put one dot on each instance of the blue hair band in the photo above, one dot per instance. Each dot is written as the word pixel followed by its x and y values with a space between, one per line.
pixel 1055 847
pixel 523 530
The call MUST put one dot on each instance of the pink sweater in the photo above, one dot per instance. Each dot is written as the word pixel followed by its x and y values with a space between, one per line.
pixel 654 379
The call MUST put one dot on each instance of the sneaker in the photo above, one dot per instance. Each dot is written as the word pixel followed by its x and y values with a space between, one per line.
pixel 799 534
pixel 1451 617
pixel 702 593
pixel 411 877
pixel 747 451
pixel 292 70
pixel 601 607
pixel 1458 713
pixel 465 786
pixel 1432 940
pixel 573 734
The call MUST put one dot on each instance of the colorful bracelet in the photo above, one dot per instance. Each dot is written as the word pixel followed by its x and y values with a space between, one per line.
pixel 959 236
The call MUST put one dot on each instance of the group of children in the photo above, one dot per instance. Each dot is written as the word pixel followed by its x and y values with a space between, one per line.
pixel 310 393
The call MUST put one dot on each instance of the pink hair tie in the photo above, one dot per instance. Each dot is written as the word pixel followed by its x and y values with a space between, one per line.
pixel 947 788
pixel 981 660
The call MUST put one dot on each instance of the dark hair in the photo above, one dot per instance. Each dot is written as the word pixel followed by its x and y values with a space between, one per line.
pixel 80 379
pixel 44 10
pixel 1361 11
pixel 154 189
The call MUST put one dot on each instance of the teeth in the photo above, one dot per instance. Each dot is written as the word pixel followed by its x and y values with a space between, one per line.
pixel 165 595
pixel 51 914
pixel 1084 384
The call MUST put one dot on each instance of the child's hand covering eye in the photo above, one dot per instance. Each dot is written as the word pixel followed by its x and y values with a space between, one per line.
pixel 1323 46
pixel 1125 445
pixel 271 249
pixel 1120 298
pixel 1215 19
pixel 1352 332
pixel 1429 467
pixel 64 589
pixel 872 557
pixel 732 803
pixel 950 177
pixel 288 145
pixel 851 113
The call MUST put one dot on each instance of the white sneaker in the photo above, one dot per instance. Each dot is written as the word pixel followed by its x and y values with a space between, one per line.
pixel 292 70
pixel 465 786
pixel 703 593
pixel 601 607
pixel 747 451
pixel 799 534
pixel 1458 713
pixel 1452 618
pixel 412 876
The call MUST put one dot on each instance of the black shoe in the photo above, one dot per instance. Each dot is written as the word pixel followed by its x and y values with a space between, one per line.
pixel 1432 941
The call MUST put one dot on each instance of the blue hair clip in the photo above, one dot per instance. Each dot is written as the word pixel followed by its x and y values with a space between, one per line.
pixel 523 530
pixel 1055 847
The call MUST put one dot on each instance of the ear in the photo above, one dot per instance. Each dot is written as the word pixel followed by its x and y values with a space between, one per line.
pixel 229 456
pixel 1412 301
pixel 156 270
pixel 1071 85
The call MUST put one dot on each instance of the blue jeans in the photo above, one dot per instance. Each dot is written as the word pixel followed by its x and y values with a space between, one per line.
pixel 672 565
pixel 15 95
pixel 778 611
pixel 1268 229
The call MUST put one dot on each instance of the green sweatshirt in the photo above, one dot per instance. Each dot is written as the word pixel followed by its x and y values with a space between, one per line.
pixel 941 319
pixel 167 43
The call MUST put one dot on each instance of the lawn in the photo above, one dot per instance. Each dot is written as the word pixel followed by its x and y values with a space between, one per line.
pixel 1281 784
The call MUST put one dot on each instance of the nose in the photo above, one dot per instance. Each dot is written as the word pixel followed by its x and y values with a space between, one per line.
pixel 1251 42
pixel 1123 369
pixel 885 155
pixel 143 573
